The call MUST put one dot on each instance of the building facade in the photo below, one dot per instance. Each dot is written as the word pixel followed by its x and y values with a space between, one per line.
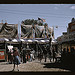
pixel 68 40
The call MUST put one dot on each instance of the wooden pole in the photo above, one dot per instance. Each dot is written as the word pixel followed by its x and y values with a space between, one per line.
pixel 5 53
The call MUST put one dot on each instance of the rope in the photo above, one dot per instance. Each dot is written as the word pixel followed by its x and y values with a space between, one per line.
pixel 27 34
pixel 39 47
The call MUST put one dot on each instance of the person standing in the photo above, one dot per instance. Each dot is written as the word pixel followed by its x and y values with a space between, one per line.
pixel 45 53
pixel 24 55
pixel 11 56
pixel 50 55
pixel 31 56
pixel 16 58
pixel 53 53
pixel 21 55
pixel 56 55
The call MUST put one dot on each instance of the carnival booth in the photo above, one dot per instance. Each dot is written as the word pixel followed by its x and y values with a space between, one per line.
pixel 5 45
pixel 54 44
pixel 3 51
pixel 15 43
pixel 34 44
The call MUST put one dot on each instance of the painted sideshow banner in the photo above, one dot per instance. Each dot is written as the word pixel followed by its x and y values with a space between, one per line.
pixel 2 55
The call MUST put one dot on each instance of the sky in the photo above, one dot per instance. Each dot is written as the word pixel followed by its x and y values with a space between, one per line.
pixel 54 14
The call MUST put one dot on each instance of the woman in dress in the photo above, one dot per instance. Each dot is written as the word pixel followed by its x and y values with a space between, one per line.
pixel 16 58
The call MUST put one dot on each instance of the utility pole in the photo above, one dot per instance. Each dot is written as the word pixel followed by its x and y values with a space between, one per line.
pixel 19 30
pixel 45 30
pixel 51 38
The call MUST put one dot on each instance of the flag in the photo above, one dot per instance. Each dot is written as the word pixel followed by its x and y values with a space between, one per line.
pixel 39 18
pixel 43 20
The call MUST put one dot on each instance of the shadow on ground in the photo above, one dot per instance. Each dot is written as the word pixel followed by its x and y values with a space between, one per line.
pixel 70 67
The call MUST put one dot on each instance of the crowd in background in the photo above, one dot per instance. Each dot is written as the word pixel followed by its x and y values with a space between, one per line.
pixel 23 55
pixel 29 56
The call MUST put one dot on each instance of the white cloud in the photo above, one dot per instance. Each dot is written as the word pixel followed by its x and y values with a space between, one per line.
pixel 72 7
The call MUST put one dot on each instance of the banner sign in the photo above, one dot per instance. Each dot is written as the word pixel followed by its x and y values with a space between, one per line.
pixel 10 47
pixel 2 56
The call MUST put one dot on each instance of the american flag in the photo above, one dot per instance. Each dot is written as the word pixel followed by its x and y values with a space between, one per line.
pixel 43 20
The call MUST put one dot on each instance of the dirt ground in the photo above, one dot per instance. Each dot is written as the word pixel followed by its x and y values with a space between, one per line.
pixel 34 66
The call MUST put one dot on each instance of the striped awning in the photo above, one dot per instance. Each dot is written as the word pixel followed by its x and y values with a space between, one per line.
pixel 54 42
pixel 43 41
pixel 4 39
pixel 22 39
pixel 15 40
pixel 34 40
pixel 25 40
pixel 29 40
pixel 1 39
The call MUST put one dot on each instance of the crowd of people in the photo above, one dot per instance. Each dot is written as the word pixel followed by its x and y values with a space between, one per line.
pixel 24 56
pixel 17 57
pixel 13 57
pixel 47 53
